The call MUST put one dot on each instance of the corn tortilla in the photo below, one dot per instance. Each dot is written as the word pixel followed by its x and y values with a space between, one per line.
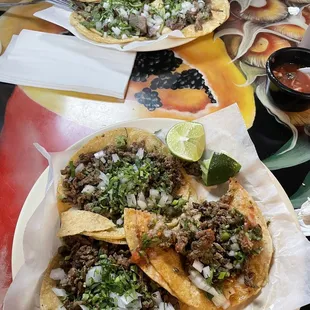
pixel 112 234
pixel 96 144
pixel 162 262
pixel 74 222
pixel 220 12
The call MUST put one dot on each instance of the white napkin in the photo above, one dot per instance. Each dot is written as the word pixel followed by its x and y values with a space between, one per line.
pixel 65 63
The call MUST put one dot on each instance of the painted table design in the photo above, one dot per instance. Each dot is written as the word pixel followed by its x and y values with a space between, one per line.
pixel 185 83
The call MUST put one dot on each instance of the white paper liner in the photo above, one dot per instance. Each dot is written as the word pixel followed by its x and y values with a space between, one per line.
pixel 289 281
pixel 61 17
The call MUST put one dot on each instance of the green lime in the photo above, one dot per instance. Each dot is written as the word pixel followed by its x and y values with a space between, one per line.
pixel 218 169
pixel 187 140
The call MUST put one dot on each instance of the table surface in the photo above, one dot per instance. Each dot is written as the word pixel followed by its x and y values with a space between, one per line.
pixel 57 119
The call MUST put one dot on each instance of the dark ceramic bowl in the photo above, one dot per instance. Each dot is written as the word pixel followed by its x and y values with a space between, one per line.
pixel 286 98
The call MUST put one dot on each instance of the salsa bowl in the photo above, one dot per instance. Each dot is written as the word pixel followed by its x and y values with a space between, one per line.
pixel 284 97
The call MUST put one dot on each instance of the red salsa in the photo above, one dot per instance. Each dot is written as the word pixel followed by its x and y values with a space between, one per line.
pixel 289 75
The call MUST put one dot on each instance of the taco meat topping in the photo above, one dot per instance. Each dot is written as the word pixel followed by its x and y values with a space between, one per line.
pixel 210 235
pixel 122 19
pixel 100 276
pixel 124 176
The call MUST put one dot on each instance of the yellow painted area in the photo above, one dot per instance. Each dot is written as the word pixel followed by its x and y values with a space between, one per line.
pixel 212 60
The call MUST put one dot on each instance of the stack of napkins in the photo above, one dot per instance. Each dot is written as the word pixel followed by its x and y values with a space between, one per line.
pixel 65 63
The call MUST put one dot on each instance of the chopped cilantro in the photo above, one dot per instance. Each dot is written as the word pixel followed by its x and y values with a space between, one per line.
pixel 121 141
pixel 72 169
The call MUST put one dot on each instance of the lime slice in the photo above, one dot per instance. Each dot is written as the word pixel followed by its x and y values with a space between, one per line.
pixel 187 140
pixel 218 169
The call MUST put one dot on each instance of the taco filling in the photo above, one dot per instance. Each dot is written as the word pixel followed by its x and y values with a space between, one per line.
pixel 98 275
pixel 123 19
pixel 217 243
pixel 123 176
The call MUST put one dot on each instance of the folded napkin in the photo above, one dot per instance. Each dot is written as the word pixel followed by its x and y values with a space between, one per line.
pixel 65 63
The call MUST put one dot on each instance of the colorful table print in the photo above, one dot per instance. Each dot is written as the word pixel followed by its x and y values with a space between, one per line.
pixel 187 82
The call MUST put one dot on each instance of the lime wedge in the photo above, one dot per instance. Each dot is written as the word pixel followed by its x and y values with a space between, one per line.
pixel 218 169
pixel 187 140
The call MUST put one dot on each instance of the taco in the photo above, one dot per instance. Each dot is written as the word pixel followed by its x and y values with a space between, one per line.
pixel 122 21
pixel 89 274
pixel 126 167
pixel 223 248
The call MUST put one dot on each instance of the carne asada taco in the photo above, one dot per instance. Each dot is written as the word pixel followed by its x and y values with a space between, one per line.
pixel 123 21
pixel 122 168
pixel 89 274
pixel 224 248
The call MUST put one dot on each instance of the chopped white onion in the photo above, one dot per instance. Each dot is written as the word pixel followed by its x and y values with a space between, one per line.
pixel 206 272
pixel 123 13
pixel 198 280
pixel 167 233
pixel 135 168
pixel 101 185
pixel 116 31
pixel 154 193
pixel 119 221
pixel 140 153
pixel 98 25
pixel 146 7
pixel 231 253
pixel 84 307
pixel 88 189
pixel 115 158
pixel 235 247
pixel 57 274
pixel 79 168
pixel 157 297
pixel 124 36
pixel 198 265
pixel 142 204
pixel 141 196
pixel 220 301
pixel 233 239
pixel 238 266
pixel 163 200
pixel 131 200
pixel 104 178
pixel 99 154
pixel 59 292
pixel 106 5
pixel 229 266
pixel 102 159
pixel 94 275
pixel 165 306
pixel 241 279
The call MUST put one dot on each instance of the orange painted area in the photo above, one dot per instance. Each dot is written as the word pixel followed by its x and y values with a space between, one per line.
pixel 222 76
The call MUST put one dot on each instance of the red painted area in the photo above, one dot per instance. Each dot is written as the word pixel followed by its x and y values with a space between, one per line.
pixel 26 122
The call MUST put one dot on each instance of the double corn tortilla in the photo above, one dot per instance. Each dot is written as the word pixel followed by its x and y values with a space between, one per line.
pixel 219 8
pixel 152 143
pixel 168 263
pixel 164 267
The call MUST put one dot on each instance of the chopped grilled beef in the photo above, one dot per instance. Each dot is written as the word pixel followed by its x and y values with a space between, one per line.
pixel 138 22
